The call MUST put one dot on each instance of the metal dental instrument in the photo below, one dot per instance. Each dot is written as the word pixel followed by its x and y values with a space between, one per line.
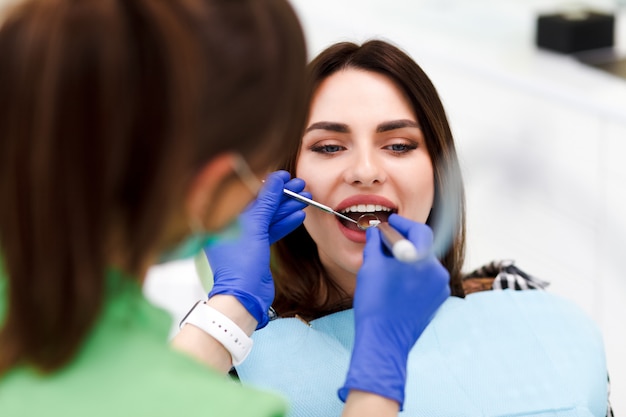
pixel 401 248
pixel 368 220
pixel 318 205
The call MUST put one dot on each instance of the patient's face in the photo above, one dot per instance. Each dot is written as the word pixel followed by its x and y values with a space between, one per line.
pixel 363 151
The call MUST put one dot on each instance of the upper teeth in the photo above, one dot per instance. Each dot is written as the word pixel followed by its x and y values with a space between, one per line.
pixel 365 208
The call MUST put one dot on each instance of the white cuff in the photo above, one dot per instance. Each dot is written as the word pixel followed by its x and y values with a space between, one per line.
pixel 220 327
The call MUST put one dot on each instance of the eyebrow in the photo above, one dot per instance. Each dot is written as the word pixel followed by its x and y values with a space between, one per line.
pixel 331 126
pixel 381 128
pixel 396 124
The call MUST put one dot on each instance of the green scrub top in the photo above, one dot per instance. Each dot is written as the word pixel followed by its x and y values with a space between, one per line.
pixel 126 368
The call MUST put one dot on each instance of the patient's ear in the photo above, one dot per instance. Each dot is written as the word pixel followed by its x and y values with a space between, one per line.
pixel 204 187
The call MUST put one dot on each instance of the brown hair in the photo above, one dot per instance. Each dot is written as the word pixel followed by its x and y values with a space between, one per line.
pixel 298 273
pixel 114 106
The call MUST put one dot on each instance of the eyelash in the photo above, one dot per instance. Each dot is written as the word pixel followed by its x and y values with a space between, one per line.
pixel 406 147
pixel 326 149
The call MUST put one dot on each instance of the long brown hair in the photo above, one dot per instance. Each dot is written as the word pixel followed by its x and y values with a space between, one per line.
pixel 298 273
pixel 110 108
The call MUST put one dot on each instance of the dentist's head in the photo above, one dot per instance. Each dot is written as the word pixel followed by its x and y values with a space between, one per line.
pixel 125 124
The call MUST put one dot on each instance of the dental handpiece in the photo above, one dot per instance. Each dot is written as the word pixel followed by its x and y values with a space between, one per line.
pixel 400 247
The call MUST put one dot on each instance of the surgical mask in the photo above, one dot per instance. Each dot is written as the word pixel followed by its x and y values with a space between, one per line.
pixel 194 243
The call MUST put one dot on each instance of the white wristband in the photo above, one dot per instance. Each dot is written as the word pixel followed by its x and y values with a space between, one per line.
pixel 223 329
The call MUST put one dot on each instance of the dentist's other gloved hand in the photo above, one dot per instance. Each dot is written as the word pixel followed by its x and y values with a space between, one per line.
pixel 241 264
pixel 393 303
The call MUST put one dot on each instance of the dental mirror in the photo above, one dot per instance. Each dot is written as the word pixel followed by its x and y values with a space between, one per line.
pixel 368 220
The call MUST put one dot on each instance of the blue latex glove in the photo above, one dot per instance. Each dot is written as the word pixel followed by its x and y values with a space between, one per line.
pixel 241 265
pixel 393 303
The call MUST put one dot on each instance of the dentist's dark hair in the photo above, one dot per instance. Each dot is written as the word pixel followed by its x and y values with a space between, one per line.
pixel 110 107
pixel 303 286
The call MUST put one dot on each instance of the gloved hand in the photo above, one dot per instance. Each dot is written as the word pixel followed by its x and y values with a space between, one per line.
pixel 241 265
pixel 393 303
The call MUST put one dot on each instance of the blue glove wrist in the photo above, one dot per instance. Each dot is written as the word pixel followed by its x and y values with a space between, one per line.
pixel 374 367
pixel 241 264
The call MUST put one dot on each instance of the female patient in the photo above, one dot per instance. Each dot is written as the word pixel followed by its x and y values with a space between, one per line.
pixel 377 141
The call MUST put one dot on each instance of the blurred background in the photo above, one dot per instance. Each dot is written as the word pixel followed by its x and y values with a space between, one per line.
pixel 541 137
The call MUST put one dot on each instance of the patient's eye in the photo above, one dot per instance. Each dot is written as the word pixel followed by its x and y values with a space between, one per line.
pixel 327 149
pixel 402 147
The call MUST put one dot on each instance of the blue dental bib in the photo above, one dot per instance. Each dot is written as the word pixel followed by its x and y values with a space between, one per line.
pixel 494 353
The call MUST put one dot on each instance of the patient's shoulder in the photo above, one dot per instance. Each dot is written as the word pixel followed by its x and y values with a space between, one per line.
pixel 499 275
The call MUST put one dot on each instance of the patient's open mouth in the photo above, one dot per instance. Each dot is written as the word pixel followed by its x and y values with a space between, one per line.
pixel 356 211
